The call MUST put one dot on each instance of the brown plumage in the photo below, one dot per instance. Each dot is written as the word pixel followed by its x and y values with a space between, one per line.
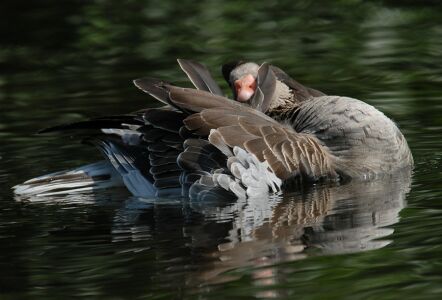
pixel 322 136
pixel 202 141
pixel 288 152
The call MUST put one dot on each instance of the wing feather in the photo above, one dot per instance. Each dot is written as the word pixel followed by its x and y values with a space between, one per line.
pixel 200 76
pixel 231 124
pixel 266 88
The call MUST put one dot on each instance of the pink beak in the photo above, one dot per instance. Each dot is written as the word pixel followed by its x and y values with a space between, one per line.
pixel 245 88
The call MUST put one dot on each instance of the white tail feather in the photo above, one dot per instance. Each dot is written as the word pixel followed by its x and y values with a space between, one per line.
pixel 90 177
pixel 251 177
pixel 255 175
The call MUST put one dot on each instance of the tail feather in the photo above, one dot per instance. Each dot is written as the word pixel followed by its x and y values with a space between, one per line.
pixel 247 176
pixel 90 177
pixel 244 177
pixel 198 162
pixel 125 165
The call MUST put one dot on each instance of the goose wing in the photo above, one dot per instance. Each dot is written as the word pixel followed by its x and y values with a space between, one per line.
pixel 200 76
pixel 230 124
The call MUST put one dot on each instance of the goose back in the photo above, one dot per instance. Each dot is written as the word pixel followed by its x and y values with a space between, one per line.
pixel 362 140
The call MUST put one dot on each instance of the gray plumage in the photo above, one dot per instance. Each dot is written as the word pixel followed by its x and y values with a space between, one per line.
pixel 203 144
pixel 362 141
pixel 320 136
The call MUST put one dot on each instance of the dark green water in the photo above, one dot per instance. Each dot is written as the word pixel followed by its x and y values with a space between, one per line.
pixel 62 61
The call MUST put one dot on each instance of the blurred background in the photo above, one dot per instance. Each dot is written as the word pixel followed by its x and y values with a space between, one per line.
pixel 63 61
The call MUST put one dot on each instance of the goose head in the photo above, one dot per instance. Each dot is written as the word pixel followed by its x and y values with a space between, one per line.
pixel 242 78
pixel 265 86
pixel 252 84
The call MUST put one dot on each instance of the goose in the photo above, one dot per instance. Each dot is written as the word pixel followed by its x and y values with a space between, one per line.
pixel 274 133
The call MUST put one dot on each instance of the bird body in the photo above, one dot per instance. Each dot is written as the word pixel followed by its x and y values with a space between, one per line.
pixel 203 145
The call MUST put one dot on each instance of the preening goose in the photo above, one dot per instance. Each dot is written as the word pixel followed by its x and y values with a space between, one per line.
pixel 353 138
pixel 202 144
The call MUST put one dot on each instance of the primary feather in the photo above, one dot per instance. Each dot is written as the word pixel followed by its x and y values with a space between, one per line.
pixel 202 144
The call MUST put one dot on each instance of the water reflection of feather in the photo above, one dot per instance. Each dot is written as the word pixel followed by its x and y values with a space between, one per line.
pixel 257 232
pixel 205 239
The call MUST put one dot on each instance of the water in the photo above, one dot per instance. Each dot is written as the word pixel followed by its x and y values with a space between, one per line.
pixel 65 62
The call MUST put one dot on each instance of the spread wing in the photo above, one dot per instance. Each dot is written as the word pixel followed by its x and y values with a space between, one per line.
pixel 151 149
pixel 231 124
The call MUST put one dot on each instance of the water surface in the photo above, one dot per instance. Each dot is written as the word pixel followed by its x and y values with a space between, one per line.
pixel 66 62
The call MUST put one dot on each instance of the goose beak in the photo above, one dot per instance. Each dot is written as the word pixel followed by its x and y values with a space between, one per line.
pixel 245 88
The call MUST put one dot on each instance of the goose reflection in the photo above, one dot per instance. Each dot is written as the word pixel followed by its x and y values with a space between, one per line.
pixel 320 220
pixel 198 243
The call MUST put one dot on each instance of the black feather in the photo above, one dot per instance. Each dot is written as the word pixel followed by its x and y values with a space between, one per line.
pixel 93 124
pixel 169 120
pixel 167 183
pixel 165 169
pixel 194 161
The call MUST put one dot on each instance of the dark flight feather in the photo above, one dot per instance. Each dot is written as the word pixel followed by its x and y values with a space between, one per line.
pixel 200 76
